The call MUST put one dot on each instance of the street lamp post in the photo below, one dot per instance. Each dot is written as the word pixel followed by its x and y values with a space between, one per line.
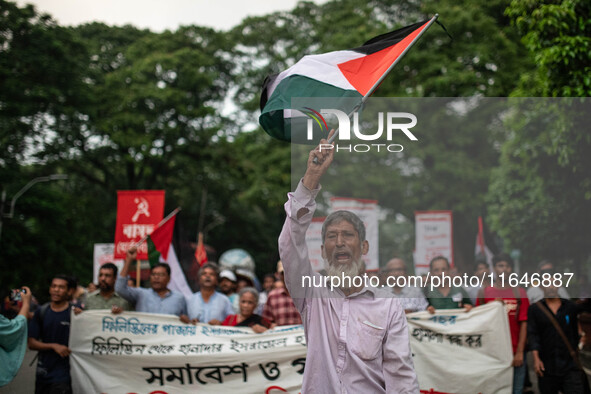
pixel 10 214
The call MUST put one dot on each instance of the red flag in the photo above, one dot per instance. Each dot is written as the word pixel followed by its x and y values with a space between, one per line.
pixel 200 258
pixel 162 236
pixel 200 254
pixel 138 213
pixel 482 248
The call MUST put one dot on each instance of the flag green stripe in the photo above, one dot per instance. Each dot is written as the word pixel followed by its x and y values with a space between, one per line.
pixel 292 87
pixel 153 253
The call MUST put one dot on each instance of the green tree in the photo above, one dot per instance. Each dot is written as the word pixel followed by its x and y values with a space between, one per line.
pixel 541 192
pixel 538 198
pixel 450 169
pixel 41 80
pixel 41 68
pixel 558 36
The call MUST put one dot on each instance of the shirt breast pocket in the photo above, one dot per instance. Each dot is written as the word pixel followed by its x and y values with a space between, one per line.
pixel 367 339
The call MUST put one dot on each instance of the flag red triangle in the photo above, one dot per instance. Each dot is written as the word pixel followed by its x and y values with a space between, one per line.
pixel 365 71
pixel 162 236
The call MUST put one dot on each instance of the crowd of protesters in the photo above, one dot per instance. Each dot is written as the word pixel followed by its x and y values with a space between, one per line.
pixel 543 320
pixel 48 327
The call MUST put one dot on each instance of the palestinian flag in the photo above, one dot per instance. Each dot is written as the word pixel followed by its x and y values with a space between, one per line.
pixel 159 241
pixel 339 75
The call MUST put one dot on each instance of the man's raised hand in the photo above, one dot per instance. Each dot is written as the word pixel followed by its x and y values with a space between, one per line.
pixel 319 160
pixel 131 254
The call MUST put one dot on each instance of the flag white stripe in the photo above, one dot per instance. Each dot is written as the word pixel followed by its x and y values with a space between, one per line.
pixel 178 282
pixel 323 68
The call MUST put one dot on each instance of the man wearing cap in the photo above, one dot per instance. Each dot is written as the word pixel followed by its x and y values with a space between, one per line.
pixel 279 308
pixel 228 283
pixel 208 305
pixel 357 341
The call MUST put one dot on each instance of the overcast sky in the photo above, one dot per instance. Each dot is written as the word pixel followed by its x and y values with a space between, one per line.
pixel 158 15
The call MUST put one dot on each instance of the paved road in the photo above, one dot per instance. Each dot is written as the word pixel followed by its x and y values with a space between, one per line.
pixel 24 381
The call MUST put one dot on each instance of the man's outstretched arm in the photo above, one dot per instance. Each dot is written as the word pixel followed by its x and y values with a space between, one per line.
pixel 319 160
pixel 299 210
pixel 130 294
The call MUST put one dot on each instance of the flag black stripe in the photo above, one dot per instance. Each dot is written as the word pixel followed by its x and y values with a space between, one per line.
pixel 386 40
pixel 266 85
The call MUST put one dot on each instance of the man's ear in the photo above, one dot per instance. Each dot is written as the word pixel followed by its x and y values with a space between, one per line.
pixel 364 247
pixel 323 253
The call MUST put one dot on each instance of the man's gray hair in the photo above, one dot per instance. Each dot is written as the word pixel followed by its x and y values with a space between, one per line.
pixel 250 290
pixel 339 216
pixel 209 265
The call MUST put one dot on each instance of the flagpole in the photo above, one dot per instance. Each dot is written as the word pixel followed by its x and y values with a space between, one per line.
pixel 166 219
pixel 137 273
pixel 381 79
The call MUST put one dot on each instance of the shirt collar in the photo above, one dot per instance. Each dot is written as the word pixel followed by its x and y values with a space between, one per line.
pixel 97 293
pixel 365 292
pixel 158 295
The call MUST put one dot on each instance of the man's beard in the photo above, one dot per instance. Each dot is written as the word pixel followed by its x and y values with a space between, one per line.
pixel 356 268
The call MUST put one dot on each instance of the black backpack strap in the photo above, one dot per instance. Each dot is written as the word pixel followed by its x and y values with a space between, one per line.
pixel 573 353
pixel 40 317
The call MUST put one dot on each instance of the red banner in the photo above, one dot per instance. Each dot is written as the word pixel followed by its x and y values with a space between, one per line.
pixel 138 214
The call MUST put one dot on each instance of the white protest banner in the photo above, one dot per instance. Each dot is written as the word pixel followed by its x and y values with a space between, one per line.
pixel 433 237
pixel 148 353
pixel 314 244
pixel 103 253
pixel 462 352
pixel 367 210
pixel 453 352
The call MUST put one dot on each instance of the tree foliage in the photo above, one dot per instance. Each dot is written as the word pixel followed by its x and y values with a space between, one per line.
pixel 452 163
pixel 558 35
pixel 540 195
pixel 120 108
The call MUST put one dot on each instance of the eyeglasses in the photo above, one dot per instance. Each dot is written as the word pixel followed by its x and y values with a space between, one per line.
pixel 158 274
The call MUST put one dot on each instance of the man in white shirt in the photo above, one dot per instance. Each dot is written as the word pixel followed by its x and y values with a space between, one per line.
pixel 357 341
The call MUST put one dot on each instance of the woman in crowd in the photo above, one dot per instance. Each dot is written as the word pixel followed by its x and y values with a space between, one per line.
pixel 13 334
pixel 248 301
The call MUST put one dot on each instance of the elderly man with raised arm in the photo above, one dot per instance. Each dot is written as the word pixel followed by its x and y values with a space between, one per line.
pixel 357 337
